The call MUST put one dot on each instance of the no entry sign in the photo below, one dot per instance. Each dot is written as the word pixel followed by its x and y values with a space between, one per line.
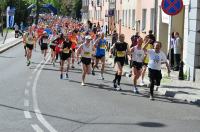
pixel 172 7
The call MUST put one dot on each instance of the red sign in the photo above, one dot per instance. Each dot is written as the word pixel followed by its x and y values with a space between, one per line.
pixel 172 7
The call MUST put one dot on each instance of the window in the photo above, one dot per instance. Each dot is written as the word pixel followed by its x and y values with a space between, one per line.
pixel 152 19
pixel 129 19
pixel 133 19
pixel 144 15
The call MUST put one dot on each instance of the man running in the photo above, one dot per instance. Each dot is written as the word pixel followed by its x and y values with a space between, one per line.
pixel 65 55
pixel 156 58
pixel 121 49
pixel 44 41
pixel 74 40
pixel 100 54
pixel 137 62
pixel 86 54
pixel 30 41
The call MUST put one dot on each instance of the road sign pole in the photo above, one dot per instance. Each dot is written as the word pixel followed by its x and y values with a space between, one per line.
pixel 170 36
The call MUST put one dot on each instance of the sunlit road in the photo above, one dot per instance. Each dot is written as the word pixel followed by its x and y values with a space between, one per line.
pixel 35 99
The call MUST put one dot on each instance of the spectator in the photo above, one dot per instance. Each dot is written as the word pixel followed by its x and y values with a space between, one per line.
pixel 177 51
pixel 16 27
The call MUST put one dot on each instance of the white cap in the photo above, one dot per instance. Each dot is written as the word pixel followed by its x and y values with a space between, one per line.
pixel 88 37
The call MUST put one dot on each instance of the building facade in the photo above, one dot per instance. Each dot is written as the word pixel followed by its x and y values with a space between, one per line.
pixel 131 16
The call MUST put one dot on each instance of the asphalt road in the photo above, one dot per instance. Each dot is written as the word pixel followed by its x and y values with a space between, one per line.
pixel 35 99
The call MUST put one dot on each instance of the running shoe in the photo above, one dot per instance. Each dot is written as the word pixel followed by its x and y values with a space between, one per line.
pixel 157 87
pixel 67 77
pixel 135 90
pixel 61 76
pixel 28 63
pixel 83 84
pixel 118 88
pixel 93 73
pixel 142 83
pixel 151 97
pixel 54 64
pixel 73 66
pixel 114 84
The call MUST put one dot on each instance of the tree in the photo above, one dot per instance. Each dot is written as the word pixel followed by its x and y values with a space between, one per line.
pixel 76 9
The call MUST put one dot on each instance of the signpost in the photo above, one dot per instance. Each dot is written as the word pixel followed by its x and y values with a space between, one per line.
pixel 172 7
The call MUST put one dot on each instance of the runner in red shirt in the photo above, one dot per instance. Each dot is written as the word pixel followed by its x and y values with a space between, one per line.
pixel 74 40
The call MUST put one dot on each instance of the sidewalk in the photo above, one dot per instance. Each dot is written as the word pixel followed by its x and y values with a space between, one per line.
pixel 10 41
pixel 170 86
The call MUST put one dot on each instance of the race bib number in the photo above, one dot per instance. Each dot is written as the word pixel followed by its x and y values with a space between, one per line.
pixel 45 41
pixel 102 47
pixel 156 59
pixel 65 50
pixel 120 54
pixel 87 54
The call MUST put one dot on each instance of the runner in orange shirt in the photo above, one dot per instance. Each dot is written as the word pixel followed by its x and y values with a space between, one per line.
pixel 74 40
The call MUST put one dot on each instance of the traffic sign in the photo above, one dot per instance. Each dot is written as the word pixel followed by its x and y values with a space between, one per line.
pixel 172 7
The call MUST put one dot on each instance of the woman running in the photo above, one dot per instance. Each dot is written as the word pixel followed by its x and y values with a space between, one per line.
pixel 86 54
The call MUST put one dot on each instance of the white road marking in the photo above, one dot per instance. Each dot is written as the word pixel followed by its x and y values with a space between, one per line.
pixel 26 92
pixel 28 84
pixel 26 103
pixel 36 128
pixel 37 67
pixel 35 101
pixel 27 115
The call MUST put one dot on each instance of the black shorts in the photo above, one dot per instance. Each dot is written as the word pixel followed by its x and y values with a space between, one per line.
pixel 145 64
pixel 44 46
pixel 17 31
pixel 65 56
pixel 99 56
pixel 137 65
pixel 29 46
pixel 73 50
pixel 53 47
pixel 86 61
pixel 121 60
pixel 155 75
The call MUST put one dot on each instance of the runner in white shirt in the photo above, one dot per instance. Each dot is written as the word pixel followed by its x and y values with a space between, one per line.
pixel 86 54
pixel 156 58
pixel 137 62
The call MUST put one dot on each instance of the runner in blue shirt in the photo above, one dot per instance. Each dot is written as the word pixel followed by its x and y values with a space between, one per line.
pixel 100 54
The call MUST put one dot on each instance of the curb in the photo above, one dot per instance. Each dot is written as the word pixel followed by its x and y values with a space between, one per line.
pixel 14 43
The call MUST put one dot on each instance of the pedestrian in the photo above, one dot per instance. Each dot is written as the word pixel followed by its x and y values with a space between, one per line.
pixel 170 55
pixel 178 47
pixel 114 37
pixel 74 40
pixel 137 63
pixel 65 56
pixel 86 54
pixel 100 46
pixel 156 58
pixel 30 42
pixel 121 48
pixel 147 41
pixel 152 37
pixel 44 42
pixel 16 27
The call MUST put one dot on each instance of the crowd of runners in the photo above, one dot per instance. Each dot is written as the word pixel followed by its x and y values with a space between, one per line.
pixel 71 41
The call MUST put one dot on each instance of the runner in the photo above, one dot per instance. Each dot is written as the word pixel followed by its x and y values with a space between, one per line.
pixel 121 49
pixel 86 54
pixel 156 57
pixel 30 41
pixel 53 46
pixel 147 41
pixel 100 54
pixel 73 39
pixel 44 41
pixel 137 61
pixel 65 55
